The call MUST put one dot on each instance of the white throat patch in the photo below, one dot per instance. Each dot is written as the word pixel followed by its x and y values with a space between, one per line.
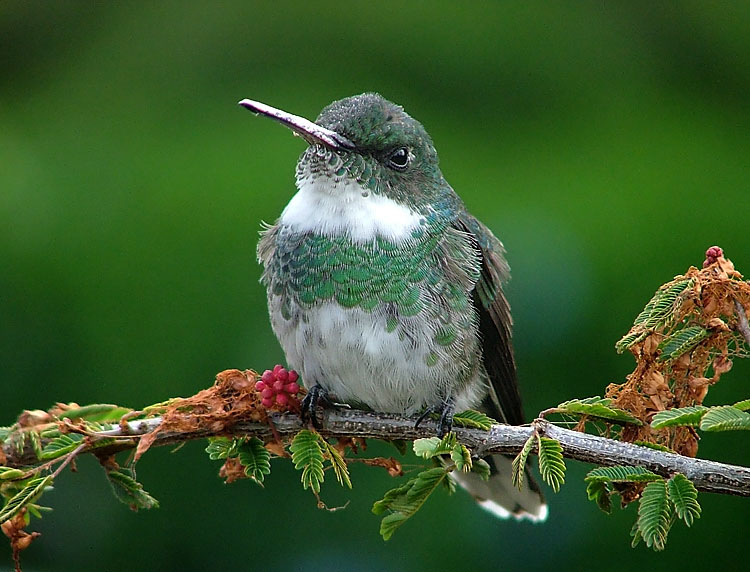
pixel 347 209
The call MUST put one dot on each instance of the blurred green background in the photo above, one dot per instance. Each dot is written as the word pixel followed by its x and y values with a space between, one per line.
pixel 607 144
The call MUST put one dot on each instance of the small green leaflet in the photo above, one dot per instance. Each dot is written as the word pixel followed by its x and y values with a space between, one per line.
pixel 684 497
pixel 337 463
pixel 682 342
pixel 308 456
pixel 434 446
pixel 682 416
pixel 60 446
pixel 404 501
pixel 621 474
pixel 256 459
pixel 129 491
pixel 219 448
pixel 461 456
pixel 600 492
pixel 4 432
pixel 431 447
pixel 596 407
pixel 474 419
pixel 726 418
pixel 659 311
pixel 654 515
pixel 551 464
pixel 743 405
pixel 519 462
pixel 101 412
pixel 630 339
pixel 661 502
pixel 9 474
pixel 660 308
pixel 36 442
pixel 427 447
pixel 28 494
pixel 599 488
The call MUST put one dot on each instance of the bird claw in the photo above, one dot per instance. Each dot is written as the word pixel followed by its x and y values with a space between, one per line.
pixel 316 395
pixel 445 422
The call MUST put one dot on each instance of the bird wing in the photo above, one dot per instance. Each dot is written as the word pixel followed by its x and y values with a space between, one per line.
pixel 504 399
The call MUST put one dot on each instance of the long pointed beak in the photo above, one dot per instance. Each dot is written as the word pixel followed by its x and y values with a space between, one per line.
pixel 309 131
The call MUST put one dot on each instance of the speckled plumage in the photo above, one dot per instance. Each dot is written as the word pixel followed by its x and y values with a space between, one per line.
pixel 382 289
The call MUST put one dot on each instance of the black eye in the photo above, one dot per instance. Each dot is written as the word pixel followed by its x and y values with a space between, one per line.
pixel 399 159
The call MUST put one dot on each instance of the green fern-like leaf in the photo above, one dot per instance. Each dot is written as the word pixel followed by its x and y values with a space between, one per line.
pixel 684 497
pixel 9 474
pixel 308 456
pixel 60 446
pixel 597 407
pixel 682 342
pixel 98 412
pixel 622 474
pixel 337 463
pixel 129 491
pixel 36 442
pixel 551 463
pixel 629 340
pixel 654 515
pixel 461 456
pixel 256 459
pixel 600 480
pixel 474 419
pixel 660 308
pixel 743 405
pixel 519 462
pixel 658 312
pixel 219 448
pixel 636 534
pixel 725 418
pixel 679 417
pixel 407 499
pixel 427 447
pixel 599 492
pixel 31 491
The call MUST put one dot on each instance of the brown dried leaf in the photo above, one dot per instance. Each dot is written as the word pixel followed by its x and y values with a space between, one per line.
pixel 232 398
pixel 232 470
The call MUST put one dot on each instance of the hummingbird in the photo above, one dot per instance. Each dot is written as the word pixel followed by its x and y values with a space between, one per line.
pixel 384 292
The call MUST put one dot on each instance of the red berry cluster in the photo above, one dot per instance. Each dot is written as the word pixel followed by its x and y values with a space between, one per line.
pixel 278 387
pixel 712 254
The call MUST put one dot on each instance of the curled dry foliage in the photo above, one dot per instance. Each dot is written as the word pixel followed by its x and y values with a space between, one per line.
pixel 232 398
pixel 683 341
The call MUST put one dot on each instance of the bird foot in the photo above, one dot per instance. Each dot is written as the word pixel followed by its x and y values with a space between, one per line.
pixel 316 395
pixel 445 412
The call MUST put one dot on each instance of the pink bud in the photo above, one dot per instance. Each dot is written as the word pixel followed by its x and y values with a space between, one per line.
pixel 276 369
pixel 292 388
pixel 267 402
pixel 282 374
pixel 267 376
pixel 282 399
pixel 278 385
pixel 293 375
pixel 267 393
pixel 260 386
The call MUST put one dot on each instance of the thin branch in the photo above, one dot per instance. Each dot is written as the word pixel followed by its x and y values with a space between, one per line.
pixel 707 476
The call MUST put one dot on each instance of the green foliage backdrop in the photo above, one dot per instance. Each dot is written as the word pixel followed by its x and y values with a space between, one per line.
pixel 607 144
